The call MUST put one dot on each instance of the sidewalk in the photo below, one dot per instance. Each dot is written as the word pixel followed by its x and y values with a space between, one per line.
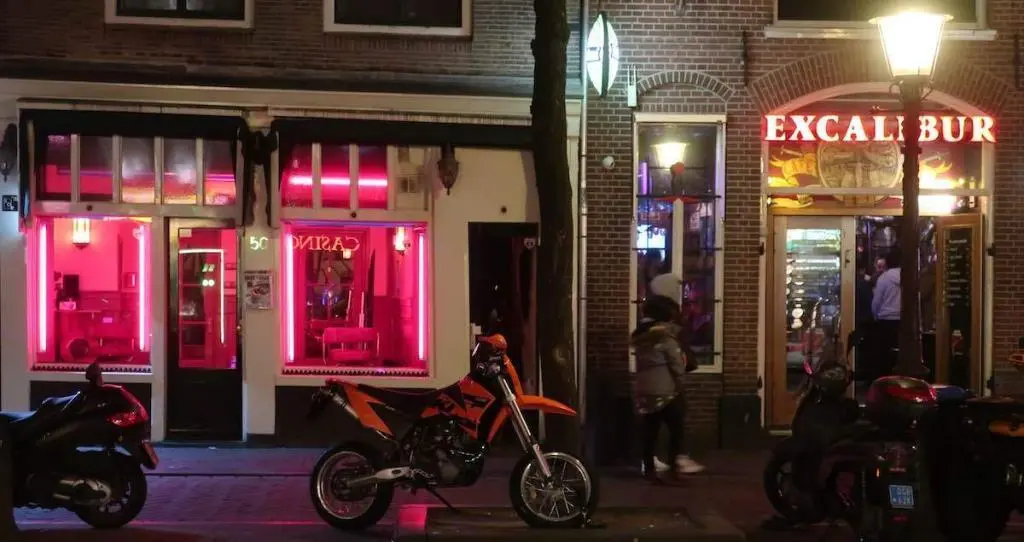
pixel 299 462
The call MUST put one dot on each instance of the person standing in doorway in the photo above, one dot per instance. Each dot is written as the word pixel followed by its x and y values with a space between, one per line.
pixel 658 392
pixel 886 307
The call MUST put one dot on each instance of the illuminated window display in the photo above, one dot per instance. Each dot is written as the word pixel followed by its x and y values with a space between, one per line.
pixel 336 173
pixel 137 177
pixel 356 298
pixel 94 283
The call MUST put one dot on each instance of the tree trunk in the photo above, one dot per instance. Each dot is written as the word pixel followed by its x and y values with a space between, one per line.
pixel 554 191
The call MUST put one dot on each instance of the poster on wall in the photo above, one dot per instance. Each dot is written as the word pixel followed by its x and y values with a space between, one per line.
pixel 259 289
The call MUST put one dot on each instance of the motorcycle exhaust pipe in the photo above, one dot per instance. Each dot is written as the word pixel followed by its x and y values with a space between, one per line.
pixel 381 476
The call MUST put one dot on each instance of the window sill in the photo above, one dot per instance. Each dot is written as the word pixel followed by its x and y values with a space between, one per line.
pixel 815 30
pixel 411 31
pixel 387 372
pixel 79 368
pixel 112 18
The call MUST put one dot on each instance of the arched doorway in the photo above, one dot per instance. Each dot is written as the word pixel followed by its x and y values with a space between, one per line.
pixel 832 209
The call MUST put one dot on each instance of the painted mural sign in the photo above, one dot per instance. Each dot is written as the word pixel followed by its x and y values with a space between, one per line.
pixel 877 128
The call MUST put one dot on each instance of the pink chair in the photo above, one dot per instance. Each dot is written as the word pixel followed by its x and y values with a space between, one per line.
pixel 355 345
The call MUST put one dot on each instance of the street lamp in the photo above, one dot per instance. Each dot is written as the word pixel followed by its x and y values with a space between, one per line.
pixel 911 41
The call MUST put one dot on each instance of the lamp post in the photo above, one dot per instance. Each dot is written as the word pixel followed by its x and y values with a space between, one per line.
pixel 911 41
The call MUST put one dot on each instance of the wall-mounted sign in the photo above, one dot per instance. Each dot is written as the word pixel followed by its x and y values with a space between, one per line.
pixel 258 243
pixel 336 243
pixel 602 54
pixel 10 203
pixel 259 292
pixel 850 128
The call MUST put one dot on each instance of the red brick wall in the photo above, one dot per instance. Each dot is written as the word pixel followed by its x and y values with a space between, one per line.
pixel 699 53
pixel 287 34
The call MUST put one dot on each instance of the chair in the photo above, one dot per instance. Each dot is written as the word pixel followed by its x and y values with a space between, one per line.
pixel 355 345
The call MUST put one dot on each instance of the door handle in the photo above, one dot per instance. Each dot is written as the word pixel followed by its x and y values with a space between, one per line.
pixel 846 258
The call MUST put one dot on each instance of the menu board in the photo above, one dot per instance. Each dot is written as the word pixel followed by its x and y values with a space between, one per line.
pixel 956 287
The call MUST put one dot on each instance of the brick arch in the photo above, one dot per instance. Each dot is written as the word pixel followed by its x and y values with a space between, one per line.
pixel 848 66
pixel 691 78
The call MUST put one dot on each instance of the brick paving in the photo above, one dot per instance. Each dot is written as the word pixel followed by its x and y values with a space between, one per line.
pixel 185 507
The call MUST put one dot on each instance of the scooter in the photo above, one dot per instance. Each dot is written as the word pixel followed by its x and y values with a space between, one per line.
pixel 84 453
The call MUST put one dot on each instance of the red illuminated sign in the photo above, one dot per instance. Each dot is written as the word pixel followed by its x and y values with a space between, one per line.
pixel 948 128
pixel 337 243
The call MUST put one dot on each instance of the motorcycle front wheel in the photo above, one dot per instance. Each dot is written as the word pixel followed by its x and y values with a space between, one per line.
pixel 778 480
pixel 349 509
pixel 131 489
pixel 567 499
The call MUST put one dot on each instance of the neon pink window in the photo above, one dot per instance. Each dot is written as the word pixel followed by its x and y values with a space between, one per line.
pixel 356 297
pixel 179 185
pixel 373 177
pixel 96 167
pixel 55 170
pixel 207 309
pixel 138 174
pixel 297 177
pixel 94 281
pixel 219 171
pixel 334 181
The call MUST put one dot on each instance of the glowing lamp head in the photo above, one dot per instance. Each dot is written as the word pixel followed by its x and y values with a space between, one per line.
pixel 81 232
pixel 669 154
pixel 910 40
pixel 401 242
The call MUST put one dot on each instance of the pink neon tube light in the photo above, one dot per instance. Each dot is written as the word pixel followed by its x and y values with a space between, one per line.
pixel 421 298
pixel 142 288
pixel 44 304
pixel 305 180
pixel 289 294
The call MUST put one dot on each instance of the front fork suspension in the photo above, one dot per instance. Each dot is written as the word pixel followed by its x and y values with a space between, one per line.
pixel 526 439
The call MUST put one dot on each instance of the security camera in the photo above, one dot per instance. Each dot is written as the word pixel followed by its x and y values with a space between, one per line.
pixel 608 162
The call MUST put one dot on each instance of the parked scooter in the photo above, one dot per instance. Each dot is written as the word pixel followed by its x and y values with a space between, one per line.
pixel 845 463
pixel 104 485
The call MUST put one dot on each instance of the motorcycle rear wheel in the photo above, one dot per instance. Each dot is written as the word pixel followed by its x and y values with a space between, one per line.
pixel 120 512
pixel 324 493
pixel 777 480
pixel 572 482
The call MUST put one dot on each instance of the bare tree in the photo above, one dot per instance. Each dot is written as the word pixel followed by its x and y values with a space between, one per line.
pixel 554 190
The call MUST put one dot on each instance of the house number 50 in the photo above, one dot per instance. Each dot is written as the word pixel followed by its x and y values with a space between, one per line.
pixel 257 243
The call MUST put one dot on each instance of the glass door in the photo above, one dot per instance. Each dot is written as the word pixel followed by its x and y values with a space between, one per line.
pixel 204 382
pixel 812 301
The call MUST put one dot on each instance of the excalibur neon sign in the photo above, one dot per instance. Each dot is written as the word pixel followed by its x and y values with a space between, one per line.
pixel 948 128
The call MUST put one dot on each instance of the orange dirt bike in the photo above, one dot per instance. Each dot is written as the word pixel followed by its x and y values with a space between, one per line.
pixel 440 439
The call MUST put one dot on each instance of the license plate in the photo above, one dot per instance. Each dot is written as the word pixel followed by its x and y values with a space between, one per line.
pixel 901 496
pixel 147 449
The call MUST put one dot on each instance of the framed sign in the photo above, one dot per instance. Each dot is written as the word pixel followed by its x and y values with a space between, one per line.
pixel 259 289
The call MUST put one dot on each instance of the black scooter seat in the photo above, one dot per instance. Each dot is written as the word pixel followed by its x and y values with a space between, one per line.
pixel 27 423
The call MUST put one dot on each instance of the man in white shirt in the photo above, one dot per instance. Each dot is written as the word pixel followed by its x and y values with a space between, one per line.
pixel 886 306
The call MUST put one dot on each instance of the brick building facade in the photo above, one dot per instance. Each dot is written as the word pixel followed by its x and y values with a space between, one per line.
pixel 701 57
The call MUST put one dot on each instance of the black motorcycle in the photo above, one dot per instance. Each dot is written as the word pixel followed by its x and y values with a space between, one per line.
pixel 847 463
pixel 84 453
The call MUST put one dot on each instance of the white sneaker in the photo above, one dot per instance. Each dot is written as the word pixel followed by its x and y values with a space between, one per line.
pixel 659 465
pixel 686 465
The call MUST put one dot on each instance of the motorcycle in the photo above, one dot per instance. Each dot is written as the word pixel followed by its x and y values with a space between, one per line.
pixel 847 463
pixel 440 439
pixel 84 453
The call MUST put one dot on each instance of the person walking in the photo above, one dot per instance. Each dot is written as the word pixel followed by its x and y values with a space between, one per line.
pixel 658 384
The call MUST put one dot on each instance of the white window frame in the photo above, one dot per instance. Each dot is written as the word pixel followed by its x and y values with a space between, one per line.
pixel 463 31
pixel 863 30
pixel 719 293
pixel 111 17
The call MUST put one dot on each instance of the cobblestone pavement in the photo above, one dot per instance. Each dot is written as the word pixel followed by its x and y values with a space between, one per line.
pixel 251 508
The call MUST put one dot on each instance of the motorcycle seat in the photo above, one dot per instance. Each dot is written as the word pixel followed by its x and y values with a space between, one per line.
pixel 23 424
pixel 411 403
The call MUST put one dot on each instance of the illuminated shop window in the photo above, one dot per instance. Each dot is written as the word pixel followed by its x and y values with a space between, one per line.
pixel 335 175
pixel 207 268
pixel 356 298
pixel 97 179
pixel 94 282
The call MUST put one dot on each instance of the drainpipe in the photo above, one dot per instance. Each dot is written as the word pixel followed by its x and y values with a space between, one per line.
pixel 581 229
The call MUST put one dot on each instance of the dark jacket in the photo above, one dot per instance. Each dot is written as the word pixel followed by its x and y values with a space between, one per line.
pixel 660 367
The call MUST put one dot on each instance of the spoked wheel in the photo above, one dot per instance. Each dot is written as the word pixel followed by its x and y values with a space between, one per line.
pixel 567 499
pixel 127 502
pixel 347 508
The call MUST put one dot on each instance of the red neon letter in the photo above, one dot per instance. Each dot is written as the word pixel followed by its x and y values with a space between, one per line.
pixel 982 130
pixel 947 129
pixel 855 131
pixel 929 128
pixel 776 128
pixel 880 132
pixel 802 132
pixel 821 128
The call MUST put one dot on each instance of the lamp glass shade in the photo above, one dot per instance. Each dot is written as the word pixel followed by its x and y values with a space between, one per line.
pixel 910 40
pixel 602 42
pixel 669 154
